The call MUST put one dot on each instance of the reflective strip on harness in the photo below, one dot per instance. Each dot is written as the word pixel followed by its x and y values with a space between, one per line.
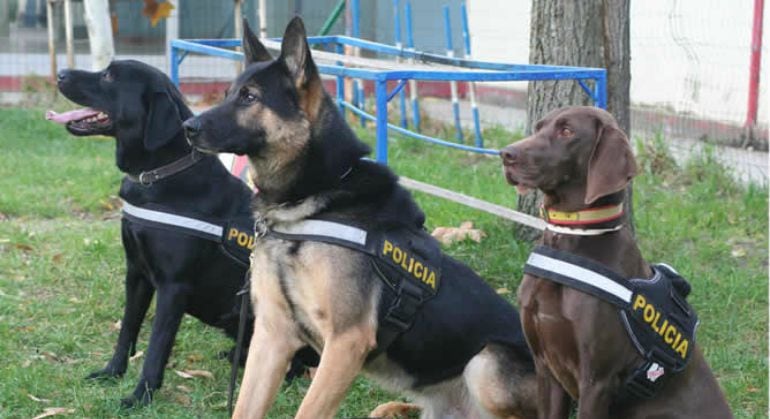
pixel 580 274
pixel 175 220
pixel 324 228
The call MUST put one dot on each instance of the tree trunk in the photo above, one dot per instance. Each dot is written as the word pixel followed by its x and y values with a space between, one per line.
pixel 585 33
pixel 99 25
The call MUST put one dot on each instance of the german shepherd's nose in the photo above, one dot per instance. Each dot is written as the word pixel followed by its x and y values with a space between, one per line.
pixel 192 127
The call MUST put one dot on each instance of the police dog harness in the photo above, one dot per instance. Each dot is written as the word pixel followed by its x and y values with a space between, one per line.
pixel 655 313
pixel 409 265
pixel 235 235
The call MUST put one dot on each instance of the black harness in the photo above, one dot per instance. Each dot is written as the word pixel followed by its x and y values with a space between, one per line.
pixel 659 321
pixel 407 263
pixel 235 236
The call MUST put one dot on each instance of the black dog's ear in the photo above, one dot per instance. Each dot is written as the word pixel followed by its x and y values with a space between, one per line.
pixel 163 121
pixel 611 166
pixel 253 50
pixel 295 53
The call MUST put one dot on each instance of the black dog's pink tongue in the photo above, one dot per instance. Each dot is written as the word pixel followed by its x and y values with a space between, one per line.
pixel 76 115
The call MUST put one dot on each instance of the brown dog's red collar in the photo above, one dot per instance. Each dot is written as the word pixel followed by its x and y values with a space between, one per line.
pixel 590 216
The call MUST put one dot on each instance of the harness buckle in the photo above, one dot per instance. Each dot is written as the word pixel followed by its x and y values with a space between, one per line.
pixel 143 178
pixel 401 313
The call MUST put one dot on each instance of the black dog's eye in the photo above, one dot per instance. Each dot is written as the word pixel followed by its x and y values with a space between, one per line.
pixel 566 132
pixel 246 97
pixel 107 76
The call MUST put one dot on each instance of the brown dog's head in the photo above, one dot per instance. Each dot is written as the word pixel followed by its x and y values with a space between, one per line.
pixel 576 154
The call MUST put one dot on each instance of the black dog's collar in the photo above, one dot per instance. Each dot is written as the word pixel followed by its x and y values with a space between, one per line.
pixel 149 177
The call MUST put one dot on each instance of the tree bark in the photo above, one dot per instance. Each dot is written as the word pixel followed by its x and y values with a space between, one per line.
pixel 97 17
pixel 584 33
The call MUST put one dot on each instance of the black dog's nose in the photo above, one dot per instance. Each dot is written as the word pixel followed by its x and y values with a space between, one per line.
pixel 62 75
pixel 192 128
pixel 509 155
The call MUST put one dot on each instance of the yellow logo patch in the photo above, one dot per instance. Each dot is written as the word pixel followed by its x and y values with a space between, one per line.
pixel 410 264
pixel 670 333
pixel 245 240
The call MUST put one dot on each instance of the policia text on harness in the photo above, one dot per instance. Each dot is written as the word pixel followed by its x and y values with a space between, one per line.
pixel 659 321
pixel 435 313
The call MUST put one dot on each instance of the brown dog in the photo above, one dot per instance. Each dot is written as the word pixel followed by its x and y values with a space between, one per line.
pixel 582 162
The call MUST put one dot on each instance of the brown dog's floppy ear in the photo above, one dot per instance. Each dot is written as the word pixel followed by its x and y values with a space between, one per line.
pixel 253 50
pixel 295 53
pixel 163 121
pixel 611 166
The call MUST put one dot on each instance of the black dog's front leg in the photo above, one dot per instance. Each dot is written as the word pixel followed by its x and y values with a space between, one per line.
pixel 170 307
pixel 138 296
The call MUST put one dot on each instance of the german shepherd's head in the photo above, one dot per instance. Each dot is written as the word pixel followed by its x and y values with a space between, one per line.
pixel 277 113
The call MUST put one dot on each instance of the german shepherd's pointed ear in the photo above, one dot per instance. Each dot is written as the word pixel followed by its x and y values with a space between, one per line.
pixel 295 53
pixel 253 50
pixel 163 120
pixel 611 166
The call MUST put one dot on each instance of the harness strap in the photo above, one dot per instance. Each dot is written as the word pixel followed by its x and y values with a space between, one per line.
pixel 404 299
pixel 203 229
pixel 147 178
pixel 338 233
pixel 580 273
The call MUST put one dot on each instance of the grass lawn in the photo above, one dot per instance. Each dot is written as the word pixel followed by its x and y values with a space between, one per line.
pixel 61 271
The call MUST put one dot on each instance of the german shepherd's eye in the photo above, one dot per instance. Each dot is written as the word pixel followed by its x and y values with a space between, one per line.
pixel 246 97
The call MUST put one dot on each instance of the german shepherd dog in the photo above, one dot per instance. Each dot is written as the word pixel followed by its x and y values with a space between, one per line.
pixel 140 107
pixel 464 355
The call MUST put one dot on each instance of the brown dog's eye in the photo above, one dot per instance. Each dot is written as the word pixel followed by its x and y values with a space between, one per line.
pixel 565 132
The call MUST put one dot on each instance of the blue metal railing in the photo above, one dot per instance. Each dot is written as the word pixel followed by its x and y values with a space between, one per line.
pixel 467 70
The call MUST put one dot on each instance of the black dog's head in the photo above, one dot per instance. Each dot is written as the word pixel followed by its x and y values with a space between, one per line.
pixel 277 113
pixel 129 100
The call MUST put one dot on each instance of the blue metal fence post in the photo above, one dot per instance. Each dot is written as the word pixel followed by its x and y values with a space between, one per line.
pixel 452 84
pixel 412 83
pixel 173 54
pixel 381 97
pixel 340 49
pixel 359 98
pixel 397 38
pixel 471 85
pixel 601 90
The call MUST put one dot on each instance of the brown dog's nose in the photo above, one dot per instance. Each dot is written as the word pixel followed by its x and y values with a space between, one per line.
pixel 509 155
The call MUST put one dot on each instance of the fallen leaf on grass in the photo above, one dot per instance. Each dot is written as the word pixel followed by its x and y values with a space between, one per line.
pixel 26 363
pixel 57 258
pixel 116 326
pixel 136 356
pixel 194 358
pixel 451 235
pixel 53 411
pixel 184 389
pixel 503 291
pixel 24 247
pixel 194 373
pixel 738 252
pixel 38 399
pixel 183 399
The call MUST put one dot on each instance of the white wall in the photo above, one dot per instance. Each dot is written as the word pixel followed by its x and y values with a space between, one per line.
pixel 688 55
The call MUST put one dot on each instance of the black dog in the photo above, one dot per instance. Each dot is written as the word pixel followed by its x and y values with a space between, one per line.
pixel 143 110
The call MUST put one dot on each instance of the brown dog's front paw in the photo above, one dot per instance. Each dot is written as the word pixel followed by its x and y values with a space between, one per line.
pixel 394 410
